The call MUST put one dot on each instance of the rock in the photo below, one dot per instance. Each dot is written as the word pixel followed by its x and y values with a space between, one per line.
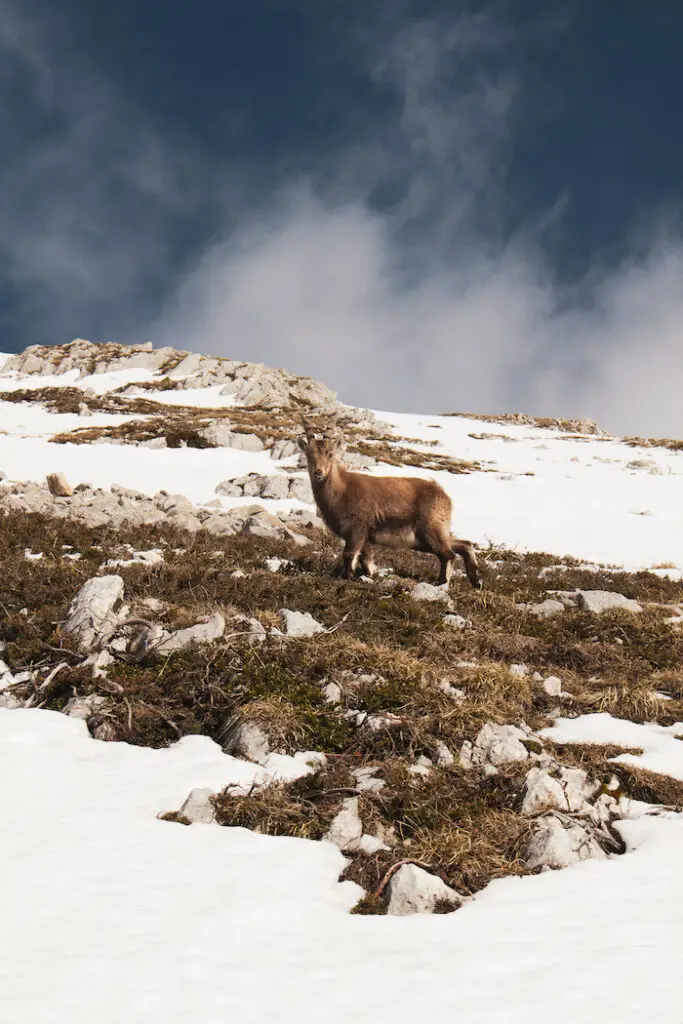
pixel 59 486
pixel 300 489
pixel 256 630
pixel 230 489
pixel 174 503
pixel 263 524
pixel 370 845
pixel 542 793
pixel 496 745
pixel 356 461
pixel 333 693
pixel 201 633
pixel 366 779
pixel 456 622
pixel 127 492
pixel 284 449
pixel 412 890
pixel 276 488
pixel 276 564
pixel 184 521
pixel 545 609
pixel 444 757
pixel 104 731
pixel 552 686
pixel 428 592
pixel 246 740
pixel 199 808
pixel 554 846
pixel 518 671
pixel 300 624
pixel 598 601
pixel 346 828
pixel 93 612
pixel 84 707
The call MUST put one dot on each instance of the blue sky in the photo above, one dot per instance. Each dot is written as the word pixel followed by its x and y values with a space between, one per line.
pixel 430 205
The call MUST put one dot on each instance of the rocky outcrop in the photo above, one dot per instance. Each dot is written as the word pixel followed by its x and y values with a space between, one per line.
pixel 251 385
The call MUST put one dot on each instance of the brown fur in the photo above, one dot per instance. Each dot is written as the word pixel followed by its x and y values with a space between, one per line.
pixel 389 511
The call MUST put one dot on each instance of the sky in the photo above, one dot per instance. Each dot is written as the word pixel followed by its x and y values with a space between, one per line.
pixel 431 206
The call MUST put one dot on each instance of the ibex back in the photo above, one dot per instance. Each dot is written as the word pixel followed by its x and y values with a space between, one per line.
pixel 391 511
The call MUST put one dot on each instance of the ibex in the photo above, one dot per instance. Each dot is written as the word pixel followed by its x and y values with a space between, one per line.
pixel 385 510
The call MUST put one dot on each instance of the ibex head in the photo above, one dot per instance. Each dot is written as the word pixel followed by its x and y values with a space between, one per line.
pixel 322 444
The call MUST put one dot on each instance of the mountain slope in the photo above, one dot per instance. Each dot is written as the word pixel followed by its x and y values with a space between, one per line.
pixel 483 735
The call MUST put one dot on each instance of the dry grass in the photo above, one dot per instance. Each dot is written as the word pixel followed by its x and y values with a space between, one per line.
pixel 465 826
pixel 581 427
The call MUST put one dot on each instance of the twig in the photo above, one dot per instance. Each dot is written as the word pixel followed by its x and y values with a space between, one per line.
pixel 394 868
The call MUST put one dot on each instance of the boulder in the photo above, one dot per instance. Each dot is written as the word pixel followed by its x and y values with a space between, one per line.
pixel 346 828
pixel 201 633
pixel 59 486
pixel 93 612
pixel 199 808
pixel 598 601
pixel 496 745
pixel 412 890
pixel 554 846
pixel 300 489
pixel 456 622
pixel 300 624
pixel 428 592
pixel 246 740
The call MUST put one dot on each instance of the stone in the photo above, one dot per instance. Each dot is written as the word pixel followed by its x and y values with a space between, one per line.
pixel 127 492
pixel 545 609
pixel 284 449
pixel 84 707
pixel 246 740
pixel 370 845
pixel 598 601
pixel 498 744
pixel 456 622
pixel 356 461
pixel 202 633
pixel 333 693
pixel 247 443
pixel 184 521
pixel 93 612
pixel 412 890
pixel 518 671
pixel 428 592
pixel 443 756
pixel 542 793
pixel 346 827
pixel 174 503
pixel 264 524
pixel 230 489
pixel 300 624
pixel 59 486
pixel 366 779
pixel 198 808
pixel 554 846
pixel 552 686
pixel 275 488
pixel 300 489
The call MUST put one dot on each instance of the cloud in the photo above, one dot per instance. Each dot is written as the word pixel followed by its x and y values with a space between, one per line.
pixel 388 272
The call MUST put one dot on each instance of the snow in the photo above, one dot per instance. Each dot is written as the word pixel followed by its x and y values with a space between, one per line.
pixel 662 750
pixel 112 915
pixel 595 509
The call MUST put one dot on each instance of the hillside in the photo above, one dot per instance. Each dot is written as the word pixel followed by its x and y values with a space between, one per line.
pixel 232 778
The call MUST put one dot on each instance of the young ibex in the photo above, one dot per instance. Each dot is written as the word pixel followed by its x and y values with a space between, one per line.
pixel 388 510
